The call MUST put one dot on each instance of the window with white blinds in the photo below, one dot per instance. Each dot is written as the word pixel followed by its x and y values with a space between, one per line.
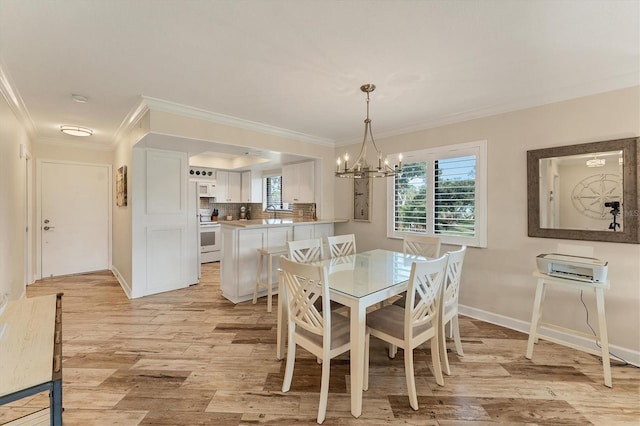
pixel 455 196
pixel 273 191
pixel 441 192
pixel 410 205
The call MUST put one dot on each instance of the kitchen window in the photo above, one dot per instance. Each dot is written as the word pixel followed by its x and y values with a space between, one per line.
pixel 441 192
pixel 273 191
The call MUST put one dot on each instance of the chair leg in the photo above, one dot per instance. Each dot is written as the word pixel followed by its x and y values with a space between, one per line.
pixel 269 284
pixel 288 371
pixel 255 288
pixel 393 350
pixel 456 334
pixel 442 348
pixel 324 390
pixel 411 380
pixel 435 356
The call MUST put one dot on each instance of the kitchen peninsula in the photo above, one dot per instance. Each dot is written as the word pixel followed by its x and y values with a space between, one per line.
pixel 241 240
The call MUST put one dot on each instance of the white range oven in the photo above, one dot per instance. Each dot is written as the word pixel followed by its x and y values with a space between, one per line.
pixel 210 243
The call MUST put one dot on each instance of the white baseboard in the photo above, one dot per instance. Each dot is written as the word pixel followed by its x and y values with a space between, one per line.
pixel 581 343
pixel 123 283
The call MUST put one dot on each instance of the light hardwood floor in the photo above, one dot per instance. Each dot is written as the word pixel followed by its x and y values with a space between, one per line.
pixel 190 357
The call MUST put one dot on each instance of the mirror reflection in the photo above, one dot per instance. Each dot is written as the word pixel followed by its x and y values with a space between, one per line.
pixel 582 192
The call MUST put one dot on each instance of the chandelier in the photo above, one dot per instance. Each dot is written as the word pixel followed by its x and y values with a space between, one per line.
pixel 361 167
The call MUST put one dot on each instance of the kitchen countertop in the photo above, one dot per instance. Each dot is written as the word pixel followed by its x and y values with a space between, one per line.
pixel 262 223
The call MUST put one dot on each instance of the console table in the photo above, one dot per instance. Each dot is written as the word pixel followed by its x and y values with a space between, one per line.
pixel 31 351
pixel 536 318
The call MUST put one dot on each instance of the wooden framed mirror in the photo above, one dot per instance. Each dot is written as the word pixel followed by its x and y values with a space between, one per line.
pixel 585 192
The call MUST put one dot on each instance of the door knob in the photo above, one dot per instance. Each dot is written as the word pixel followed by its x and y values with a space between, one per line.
pixel 46 228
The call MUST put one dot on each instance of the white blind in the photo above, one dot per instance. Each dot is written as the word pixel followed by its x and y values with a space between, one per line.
pixel 452 184
pixel 274 191
pixel 410 206
pixel 454 196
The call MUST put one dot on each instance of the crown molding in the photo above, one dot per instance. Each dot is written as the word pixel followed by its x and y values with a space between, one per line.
pixel 212 117
pixel 138 110
pixel 79 145
pixel 15 102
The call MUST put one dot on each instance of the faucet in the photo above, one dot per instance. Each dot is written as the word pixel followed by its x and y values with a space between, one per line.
pixel 275 212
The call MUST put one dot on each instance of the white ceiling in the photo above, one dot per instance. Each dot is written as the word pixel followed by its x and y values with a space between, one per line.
pixel 298 64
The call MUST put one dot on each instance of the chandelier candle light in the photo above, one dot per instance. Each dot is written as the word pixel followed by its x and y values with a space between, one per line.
pixel 361 168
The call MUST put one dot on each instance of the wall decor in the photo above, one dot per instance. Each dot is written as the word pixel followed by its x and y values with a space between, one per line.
pixel 362 199
pixel 594 195
pixel 121 186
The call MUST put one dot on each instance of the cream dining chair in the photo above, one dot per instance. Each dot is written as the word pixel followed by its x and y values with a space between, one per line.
pixel 342 245
pixel 449 306
pixel 323 333
pixel 421 245
pixel 417 245
pixel 304 251
pixel 416 323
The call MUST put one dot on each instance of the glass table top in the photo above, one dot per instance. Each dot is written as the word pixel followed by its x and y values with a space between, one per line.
pixel 361 274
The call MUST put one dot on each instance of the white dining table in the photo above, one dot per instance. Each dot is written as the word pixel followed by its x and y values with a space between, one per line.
pixel 358 281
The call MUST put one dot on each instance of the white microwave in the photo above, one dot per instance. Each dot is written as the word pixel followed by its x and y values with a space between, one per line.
pixel 207 189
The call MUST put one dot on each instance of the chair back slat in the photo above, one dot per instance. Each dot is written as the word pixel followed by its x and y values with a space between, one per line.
pixel 342 245
pixel 424 293
pixel 304 251
pixel 452 279
pixel 421 245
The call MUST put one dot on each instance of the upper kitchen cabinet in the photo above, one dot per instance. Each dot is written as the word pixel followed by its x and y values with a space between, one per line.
pixel 298 182
pixel 228 187
pixel 251 187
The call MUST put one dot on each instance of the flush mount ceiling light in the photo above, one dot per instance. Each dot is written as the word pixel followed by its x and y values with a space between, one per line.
pixel 361 168
pixel 75 130
pixel 595 162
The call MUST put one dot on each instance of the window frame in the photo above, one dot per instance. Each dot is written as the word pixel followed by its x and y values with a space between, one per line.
pixel 430 155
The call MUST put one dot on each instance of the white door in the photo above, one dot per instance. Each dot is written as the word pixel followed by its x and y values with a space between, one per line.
pixel 74 217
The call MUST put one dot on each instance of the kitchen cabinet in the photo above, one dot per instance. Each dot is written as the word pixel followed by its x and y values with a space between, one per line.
pixel 298 182
pixel 239 263
pixel 251 187
pixel 308 231
pixel 228 187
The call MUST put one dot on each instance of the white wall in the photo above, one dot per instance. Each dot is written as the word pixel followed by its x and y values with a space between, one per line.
pixel 497 280
pixel 12 203
pixel 73 152
pixel 122 218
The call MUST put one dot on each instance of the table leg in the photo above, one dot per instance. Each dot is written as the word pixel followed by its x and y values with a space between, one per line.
pixel 357 357
pixel 604 339
pixel 55 403
pixel 282 318
pixel 535 317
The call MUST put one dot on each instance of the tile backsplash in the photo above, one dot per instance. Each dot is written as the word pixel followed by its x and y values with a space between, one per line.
pixel 255 210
